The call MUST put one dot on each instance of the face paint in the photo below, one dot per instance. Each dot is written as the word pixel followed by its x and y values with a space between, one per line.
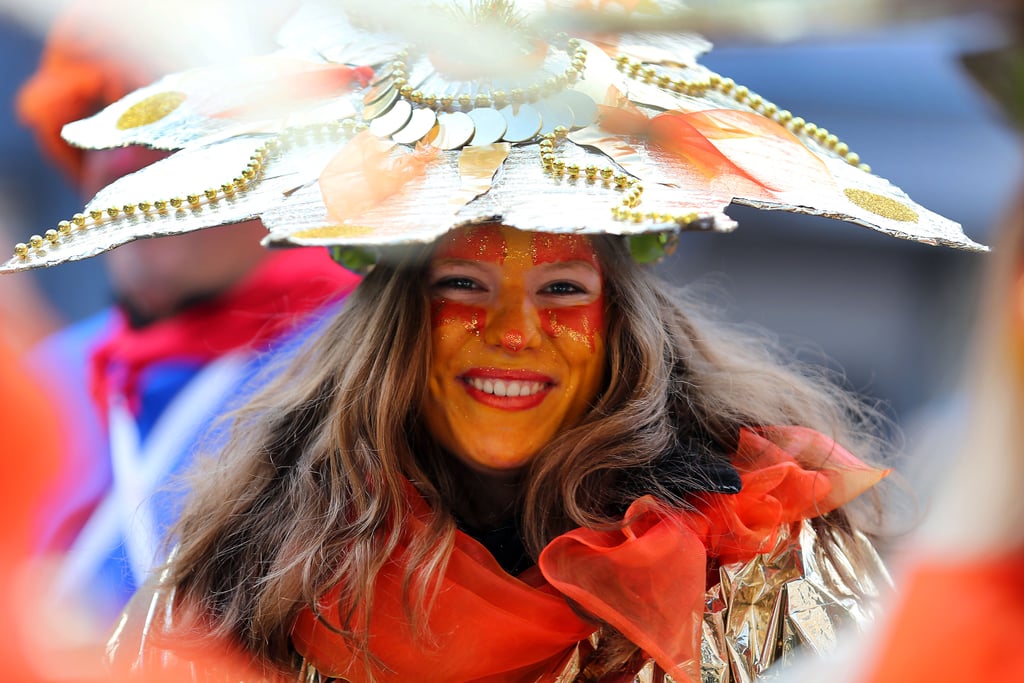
pixel 477 243
pixel 580 323
pixel 517 342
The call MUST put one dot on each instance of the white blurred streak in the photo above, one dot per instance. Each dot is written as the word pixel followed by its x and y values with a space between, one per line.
pixel 756 20
pixel 455 29
pixel 171 35
pixel 163 35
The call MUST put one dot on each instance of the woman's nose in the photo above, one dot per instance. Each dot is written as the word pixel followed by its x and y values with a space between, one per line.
pixel 515 326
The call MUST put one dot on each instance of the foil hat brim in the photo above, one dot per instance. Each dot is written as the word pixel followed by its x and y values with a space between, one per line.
pixel 246 146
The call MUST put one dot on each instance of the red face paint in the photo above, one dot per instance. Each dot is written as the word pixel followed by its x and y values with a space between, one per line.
pixel 480 243
pixel 550 248
pixel 580 323
pixel 444 312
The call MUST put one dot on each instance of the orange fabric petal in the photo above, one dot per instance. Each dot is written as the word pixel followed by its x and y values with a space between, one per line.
pixel 782 162
pixel 647 581
pixel 674 133
pixel 364 173
pixel 849 477
pixel 622 117
pixel 486 625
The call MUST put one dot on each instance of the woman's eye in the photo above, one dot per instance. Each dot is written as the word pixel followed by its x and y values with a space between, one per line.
pixel 458 283
pixel 563 289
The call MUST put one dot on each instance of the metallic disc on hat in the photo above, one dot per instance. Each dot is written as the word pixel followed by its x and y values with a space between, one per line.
pixel 381 106
pixel 420 123
pixel 523 123
pixel 378 91
pixel 554 114
pixel 584 109
pixel 384 73
pixel 489 125
pixel 452 130
pixel 391 122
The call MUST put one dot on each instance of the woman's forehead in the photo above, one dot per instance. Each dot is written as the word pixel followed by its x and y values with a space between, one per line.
pixel 497 243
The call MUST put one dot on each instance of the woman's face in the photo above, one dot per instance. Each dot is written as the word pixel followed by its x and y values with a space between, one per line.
pixel 518 342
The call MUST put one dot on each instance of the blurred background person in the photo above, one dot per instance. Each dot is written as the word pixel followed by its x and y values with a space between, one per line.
pixel 963 593
pixel 958 612
pixel 137 385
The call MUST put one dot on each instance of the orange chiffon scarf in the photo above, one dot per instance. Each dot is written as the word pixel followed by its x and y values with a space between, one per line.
pixel 646 579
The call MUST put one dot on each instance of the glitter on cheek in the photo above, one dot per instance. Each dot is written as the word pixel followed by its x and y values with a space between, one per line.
pixel 444 313
pixel 576 323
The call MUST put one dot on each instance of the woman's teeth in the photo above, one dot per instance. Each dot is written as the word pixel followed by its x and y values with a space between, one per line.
pixel 500 387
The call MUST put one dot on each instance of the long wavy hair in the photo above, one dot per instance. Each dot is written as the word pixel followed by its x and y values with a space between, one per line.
pixel 310 490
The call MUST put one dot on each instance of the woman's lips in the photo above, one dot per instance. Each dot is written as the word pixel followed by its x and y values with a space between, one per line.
pixel 507 389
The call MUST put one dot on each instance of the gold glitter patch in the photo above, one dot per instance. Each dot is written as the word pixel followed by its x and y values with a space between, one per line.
pixel 329 231
pixel 150 110
pixel 881 206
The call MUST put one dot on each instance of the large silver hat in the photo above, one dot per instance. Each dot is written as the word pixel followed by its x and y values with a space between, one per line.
pixel 390 124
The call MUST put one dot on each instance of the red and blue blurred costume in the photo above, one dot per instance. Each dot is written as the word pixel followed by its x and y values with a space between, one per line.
pixel 140 403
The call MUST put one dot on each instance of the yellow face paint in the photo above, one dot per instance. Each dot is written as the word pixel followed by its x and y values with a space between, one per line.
pixel 517 342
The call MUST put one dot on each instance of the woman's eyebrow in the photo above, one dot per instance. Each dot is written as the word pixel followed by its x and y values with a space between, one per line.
pixel 574 264
pixel 445 262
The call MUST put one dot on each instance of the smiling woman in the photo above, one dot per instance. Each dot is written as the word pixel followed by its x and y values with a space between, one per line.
pixel 514 455
pixel 538 492
pixel 517 352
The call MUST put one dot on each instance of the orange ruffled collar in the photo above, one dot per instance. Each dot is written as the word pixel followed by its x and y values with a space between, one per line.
pixel 487 625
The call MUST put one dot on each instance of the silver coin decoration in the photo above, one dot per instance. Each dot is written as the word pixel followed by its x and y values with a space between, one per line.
pixel 391 122
pixel 584 109
pixel 489 126
pixel 524 122
pixel 381 106
pixel 452 130
pixel 554 114
pixel 420 123
pixel 380 76
pixel 376 92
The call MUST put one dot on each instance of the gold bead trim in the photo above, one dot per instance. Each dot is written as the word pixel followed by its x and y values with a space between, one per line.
pixel 742 95
pixel 494 98
pixel 195 201
pixel 632 191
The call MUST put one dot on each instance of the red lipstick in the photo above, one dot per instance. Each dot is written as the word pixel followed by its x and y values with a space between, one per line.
pixel 486 384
